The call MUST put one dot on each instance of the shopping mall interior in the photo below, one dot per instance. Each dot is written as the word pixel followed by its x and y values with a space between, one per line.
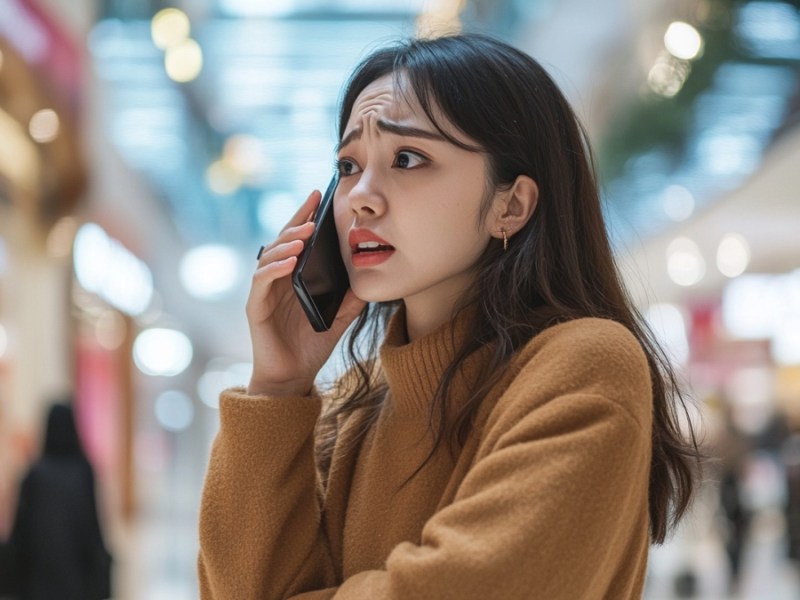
pixel 148 148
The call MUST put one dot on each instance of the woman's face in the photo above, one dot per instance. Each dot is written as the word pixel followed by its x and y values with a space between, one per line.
pixel 408 204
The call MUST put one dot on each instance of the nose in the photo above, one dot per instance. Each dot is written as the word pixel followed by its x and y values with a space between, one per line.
pixel 366 198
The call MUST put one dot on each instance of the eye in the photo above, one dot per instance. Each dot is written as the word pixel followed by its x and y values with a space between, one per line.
pixel 406 159
pixel 346 167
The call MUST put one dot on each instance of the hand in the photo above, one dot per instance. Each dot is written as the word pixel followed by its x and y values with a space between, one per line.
pixel 287 352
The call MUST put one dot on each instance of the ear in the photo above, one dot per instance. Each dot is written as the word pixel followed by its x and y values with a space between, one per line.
pixel 513 208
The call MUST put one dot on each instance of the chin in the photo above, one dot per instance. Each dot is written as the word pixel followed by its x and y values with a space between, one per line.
pixel 368 293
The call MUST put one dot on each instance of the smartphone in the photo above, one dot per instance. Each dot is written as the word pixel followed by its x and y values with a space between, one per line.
pixel 320 277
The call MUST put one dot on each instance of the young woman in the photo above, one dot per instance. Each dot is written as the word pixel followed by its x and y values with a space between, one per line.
pixel 507 428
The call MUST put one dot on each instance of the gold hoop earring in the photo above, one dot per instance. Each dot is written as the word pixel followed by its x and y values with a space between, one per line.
pixel 505 239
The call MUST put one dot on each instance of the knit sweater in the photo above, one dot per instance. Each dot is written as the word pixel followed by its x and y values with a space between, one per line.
pixel 547 498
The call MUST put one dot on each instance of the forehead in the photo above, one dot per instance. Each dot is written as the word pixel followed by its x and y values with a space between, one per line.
pixel 389 97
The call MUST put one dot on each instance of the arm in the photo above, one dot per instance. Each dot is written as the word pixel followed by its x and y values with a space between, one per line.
pixel 260 518
pixel 260 532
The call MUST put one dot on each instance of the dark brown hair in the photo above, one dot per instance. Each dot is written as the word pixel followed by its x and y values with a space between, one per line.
pixel 559 266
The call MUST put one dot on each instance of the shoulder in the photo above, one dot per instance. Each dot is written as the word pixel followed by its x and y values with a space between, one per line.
pixel 589 357
pixel 586 344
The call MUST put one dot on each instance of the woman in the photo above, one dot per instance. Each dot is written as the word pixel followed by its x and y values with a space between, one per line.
pixel 509 431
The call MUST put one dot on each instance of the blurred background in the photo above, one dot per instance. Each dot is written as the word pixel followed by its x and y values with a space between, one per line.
pixel 148 148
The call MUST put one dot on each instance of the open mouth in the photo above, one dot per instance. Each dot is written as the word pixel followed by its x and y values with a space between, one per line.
pixel 365 247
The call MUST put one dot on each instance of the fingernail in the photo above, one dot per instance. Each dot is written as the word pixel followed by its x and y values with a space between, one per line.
pixel 260 252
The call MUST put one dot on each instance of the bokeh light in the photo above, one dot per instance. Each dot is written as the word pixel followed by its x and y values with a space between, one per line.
pixel 685 263
pixel 184 61
pixel 44 125
pixel 683 41
pixel 169 27
pixel 209 272
pixel 733 255
pixel 165 352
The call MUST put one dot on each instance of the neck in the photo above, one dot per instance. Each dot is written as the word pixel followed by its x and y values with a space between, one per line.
pixel 425 312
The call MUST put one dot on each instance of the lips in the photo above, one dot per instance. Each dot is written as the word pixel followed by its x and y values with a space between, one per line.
pixel 363 240
pixel 368 249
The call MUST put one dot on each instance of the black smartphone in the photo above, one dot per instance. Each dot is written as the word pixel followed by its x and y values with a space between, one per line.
pixel 320 277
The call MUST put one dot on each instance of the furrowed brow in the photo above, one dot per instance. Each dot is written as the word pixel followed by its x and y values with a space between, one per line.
pixel 407 131
pixel 394 128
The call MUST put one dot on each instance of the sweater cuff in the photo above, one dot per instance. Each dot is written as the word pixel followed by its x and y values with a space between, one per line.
pixel 268 414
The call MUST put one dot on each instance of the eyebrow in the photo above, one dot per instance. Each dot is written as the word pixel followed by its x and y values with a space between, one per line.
pixel 389 127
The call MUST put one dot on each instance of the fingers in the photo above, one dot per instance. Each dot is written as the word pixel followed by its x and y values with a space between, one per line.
pixel 280 251
pixel 289 235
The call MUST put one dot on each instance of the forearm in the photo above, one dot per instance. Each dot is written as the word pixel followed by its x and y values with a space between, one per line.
pixel 260 534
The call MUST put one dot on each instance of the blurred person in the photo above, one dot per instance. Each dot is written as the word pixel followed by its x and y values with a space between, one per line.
pixel 791 463
pixel 733 450
pixel 56 538
pixel 736 517
pixel 507 427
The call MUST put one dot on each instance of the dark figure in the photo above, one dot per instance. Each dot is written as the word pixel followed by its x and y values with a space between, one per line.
pixel 57 542
pixel 737 520
pixel 791 461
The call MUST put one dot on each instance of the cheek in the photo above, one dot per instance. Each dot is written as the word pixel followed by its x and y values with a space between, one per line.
pixel 341 216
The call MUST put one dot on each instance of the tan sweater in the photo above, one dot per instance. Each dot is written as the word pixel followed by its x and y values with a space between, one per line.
pixel 547 499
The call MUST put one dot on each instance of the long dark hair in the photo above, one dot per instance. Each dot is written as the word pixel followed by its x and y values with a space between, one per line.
pixel 559 266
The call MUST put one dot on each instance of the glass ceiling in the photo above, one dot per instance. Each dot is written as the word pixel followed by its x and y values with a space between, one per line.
pixel 265 101
pixel 232 152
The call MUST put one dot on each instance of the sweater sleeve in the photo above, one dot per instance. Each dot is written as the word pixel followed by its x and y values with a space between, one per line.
pixel 555 506
pixel 260 519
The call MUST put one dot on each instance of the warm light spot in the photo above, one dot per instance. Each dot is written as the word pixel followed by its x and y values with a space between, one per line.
pixel 222 178
pixel 44 125
pixel 733 255
pixel 683 41
pixel 184 61
pixel 246 154
pixel 169 27
pixel 685 264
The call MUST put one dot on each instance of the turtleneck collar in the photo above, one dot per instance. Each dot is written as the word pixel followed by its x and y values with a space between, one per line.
pixel 413 369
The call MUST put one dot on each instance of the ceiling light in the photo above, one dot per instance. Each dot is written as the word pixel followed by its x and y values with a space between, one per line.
pixel 733 255
pixel 169 27
pixel 165 352
pixel 209 271
pixel 184 61
pixel 685 264
pixel 223 178
pixel 683 41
